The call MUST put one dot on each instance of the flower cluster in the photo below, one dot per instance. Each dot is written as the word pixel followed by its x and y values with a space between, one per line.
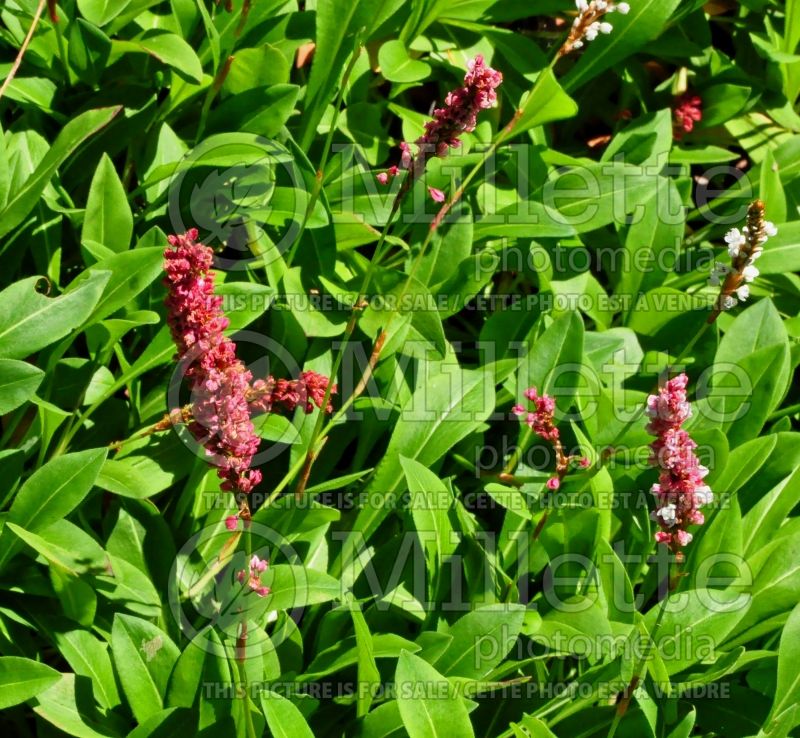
pixel 220 414
pixel 459 115
pixel 540 420
pixel 307 391
pixel 590 22
pixel 688 111
pixel 680 490
pixel 744 247
pixel 253 576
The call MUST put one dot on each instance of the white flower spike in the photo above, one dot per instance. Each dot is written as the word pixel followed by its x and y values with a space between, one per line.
pixel 591 22
pixel 744 247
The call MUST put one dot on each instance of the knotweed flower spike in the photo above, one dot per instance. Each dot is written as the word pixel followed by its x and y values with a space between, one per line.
pixel 308 391
pixel 688 111
pixel 744 248
pixel 220 415
pixel 680 490
pixel 252 576
pixel 540 420
pixel 590 22
pixel 459 115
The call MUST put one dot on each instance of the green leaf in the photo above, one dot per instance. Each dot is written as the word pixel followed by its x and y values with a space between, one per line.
pixel 787 690
pixel 65 706
pixel 63 544
pixel 167 723
pixel 131 273
pixel 72 135
pixel 101 12
pixel 546 102
pixel 771 191
pixel 21 679
pixel 257 68
pixel 52 492
pixel 169 49
pixel 430 502
pixel 531 727
pixel 369 678
pixel 481 639
pixel 108 218
pixel 590 196
pixel 723 102
pixel 764 519
pixel 397 66
pixel 695 625
pixel 262 110
pixel 558 348
pixel 283 718
pixel 630 33
pixel 88 657
pixel 782 252
pixel 77 596
pixel 428 704
pixel 297 586
pixel 144 656
pixel 651 244
pixel 184 682
pixel 129 477
pixel 338 23
pixel 89 49
pixel 445 408
pixel 18 381
pixel 29 321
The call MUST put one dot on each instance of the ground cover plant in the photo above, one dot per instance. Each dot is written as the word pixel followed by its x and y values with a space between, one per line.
pixel 405 368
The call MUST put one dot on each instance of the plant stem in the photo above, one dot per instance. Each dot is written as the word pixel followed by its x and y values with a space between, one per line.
pixel 248 717
pixel 783 412
pixel 350 329
pixel 214 88
pixel 627 695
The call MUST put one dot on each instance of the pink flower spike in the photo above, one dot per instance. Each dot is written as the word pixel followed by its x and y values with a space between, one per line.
pixel 219 380
pixel 680 490
pixel 307 391
pixel 437 195
pixel 553 483
pixel 383 178
pixel 584 463
pixel 457 116
pixel 232 522
pixel 688 111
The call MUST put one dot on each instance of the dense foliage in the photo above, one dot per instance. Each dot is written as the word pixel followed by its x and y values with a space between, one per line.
pixel 399 368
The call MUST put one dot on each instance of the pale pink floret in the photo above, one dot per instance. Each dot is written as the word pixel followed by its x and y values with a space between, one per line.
pixel 680 489
pixel 436 195
pixel 219 381
pixel 253 574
